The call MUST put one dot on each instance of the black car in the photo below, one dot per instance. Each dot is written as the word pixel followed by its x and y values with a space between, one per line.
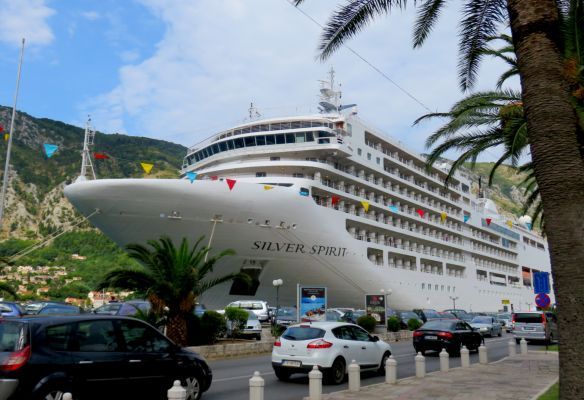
pixel 405 316
pixel 93 356
pixel 449 334
pixel 427 314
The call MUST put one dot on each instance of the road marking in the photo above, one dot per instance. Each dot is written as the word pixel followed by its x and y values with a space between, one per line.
pixel 234 378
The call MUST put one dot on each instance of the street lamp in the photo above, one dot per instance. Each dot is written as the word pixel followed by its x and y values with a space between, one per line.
pixel 454 298
pixel 277 283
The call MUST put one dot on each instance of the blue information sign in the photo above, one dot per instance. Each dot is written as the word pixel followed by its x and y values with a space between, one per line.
pixel 542 300
pixel 541 282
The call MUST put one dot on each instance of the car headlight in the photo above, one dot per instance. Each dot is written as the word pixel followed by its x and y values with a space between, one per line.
pixel 484 329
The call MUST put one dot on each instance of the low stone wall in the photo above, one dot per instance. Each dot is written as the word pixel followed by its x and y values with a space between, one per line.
pixel 395 336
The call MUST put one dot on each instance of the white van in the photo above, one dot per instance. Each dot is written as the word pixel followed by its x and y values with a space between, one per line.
pixel 535 325
pixel 258 307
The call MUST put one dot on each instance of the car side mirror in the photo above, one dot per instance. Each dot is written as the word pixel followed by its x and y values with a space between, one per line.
pixel 375 339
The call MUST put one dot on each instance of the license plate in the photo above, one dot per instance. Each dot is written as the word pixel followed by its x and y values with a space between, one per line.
pixel 430 337
pixel 290 363
pixel 528 328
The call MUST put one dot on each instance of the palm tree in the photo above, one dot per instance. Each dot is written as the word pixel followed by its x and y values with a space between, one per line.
pixel 552 93
pixel 171 277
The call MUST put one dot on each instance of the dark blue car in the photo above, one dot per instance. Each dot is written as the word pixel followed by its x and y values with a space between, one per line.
pixel 10 309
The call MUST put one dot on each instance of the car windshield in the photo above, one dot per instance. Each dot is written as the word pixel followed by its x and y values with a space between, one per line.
pixel 110 309
pixel 251 316
pixel 59 310
pixel 439 325
pixel 287 312
pixel 481 320
pixel 303 333
pixel 13 336
pixel 431 314
pixel 528 318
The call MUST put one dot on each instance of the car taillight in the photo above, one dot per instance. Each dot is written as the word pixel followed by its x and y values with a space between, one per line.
pixel 319 344
pixel 16 360
pixel 277 343
pixel 445 335
pixel 513 318
pixel 418 333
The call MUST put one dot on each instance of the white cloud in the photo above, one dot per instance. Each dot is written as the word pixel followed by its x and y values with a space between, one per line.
pixel 25 19
pixel 216 57
pixel 91 15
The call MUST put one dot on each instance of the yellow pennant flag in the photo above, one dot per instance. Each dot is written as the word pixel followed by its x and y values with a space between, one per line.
pixel 146 167
pixel 365 205
pixel 268 187
pixel 6 137
pixel 443 216
pixel 510 223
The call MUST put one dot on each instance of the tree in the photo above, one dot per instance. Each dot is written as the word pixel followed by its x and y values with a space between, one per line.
pixel 171 277
pixel 552 92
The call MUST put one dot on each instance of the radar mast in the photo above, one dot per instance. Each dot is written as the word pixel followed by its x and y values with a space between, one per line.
pixel 86 164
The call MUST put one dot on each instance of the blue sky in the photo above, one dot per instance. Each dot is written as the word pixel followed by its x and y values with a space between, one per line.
pixel 181 70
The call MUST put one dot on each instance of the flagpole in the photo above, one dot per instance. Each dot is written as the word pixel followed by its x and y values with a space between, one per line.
pixel 10 135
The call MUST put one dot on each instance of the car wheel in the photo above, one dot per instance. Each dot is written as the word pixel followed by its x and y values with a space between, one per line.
pixel 385 357
pixel 192 384
pixel 259 337
pixel 282 374
pixel 335 375
pixel 54 392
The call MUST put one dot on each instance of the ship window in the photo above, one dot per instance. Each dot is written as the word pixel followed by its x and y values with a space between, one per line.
pixel 270 139
pixel 290 138
pixel 285 125
pixel 305 124
pixel 255 128
pixel 359 152
pixel 378 160
pixel 304 192
pixel 280 139
pixel 350 128
pixel 324 141
pixel 423 286
pixel 238 143
pixel 297 175
pixel 230 144
pixel 216 149
pixel 197 156
pixel 246 130
pixel 309 137
pixel 317 123
pixel 237 132
pixel 223 146
pixel 205 154
pixel 300 138
pixel 296 124
pixel 261 140
pixel 250 141
pixel 429 286
pixel 264 127
pixel 369 156
pixel 436 287
pixel 260 174
pixel 274 158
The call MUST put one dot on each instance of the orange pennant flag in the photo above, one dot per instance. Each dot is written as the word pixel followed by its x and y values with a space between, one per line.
pixel 268 187
pixel 365 205
pixel 335 199
pixel 230 183
pixel 147 167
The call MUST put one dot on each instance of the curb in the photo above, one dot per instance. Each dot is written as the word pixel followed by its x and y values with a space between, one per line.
pixel 545 390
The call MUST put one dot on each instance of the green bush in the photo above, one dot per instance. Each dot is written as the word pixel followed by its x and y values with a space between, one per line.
pixel 236 319
pixel 367 322
pixel 413 324
pixel 393 324
pixel 213 326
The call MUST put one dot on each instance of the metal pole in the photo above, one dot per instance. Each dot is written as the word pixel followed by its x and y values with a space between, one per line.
pixel 10 135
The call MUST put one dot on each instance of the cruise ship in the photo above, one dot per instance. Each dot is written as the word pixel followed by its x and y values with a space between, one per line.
pixel 326 200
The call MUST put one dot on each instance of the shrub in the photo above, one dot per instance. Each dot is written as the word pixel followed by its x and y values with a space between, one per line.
pixel 367 322
pixel 413 324
pixel 236 320
pixel 393 324
pixel 213 326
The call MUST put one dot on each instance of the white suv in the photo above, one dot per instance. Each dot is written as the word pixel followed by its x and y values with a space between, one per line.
pixel 258 307
pixel 329 345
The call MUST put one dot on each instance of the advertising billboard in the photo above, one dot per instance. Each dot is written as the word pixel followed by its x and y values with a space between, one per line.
pixel 375 306
pixel 312 303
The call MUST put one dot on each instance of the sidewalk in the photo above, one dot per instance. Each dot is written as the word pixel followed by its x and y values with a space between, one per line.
pixel 521 377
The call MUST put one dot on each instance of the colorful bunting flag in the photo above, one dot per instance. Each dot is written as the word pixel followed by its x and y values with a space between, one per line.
pixel 6 136
pixel 528 224
pixel 443 216
pixel 488 220
pixel 147 167
pixel 510 223
pixel 230 183
pixel 335 199
pixel 268 187
pixel 214 178
pixel 1 128
pixel 394 209
pixel 50 149
pixel 466 218
pixel 365 205
pixel 100 156
pixel 192 176
pixel 420 212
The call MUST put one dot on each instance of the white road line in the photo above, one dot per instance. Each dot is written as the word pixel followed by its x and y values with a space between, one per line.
pixel 234 378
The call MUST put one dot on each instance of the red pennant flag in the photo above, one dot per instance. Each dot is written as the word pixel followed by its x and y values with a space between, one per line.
pixel 335 199
pixel 488 221
pixel 100 156
pixel 214 178
pixel 230 183
pixel 420 212
pixel 1 128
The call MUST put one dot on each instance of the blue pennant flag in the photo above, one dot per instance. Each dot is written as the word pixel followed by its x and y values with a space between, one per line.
pixel 394 209
pixel 466 218
pixel 528 224
pixel 50 149
pixel 192 176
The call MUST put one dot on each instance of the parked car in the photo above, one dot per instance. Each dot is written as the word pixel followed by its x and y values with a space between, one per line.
pixel 93 356
pixel 333 314
pixel 449 334
pixel 405 316
pixel 259 308
pixel 353 315
pixel 253 326
pixel 505 320
pixel 329 345
pixel 59 309
pixel 486 325
pixel 535 325
pixel 427 314
pixel 35 307
pixel 127 308
pixel 286 316
pixel 10 309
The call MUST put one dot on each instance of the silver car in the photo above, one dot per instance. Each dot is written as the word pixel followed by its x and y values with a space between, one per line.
pixel 535 325
pixel 486 325
pixel 258 307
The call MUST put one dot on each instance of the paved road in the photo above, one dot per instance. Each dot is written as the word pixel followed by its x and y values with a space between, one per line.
pixel 230 377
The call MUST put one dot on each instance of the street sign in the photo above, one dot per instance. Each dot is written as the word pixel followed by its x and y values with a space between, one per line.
pixel 541 282
pixel 505 302
pixel 542 300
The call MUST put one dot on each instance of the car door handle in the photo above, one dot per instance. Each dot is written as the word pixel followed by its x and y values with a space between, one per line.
pixel 85 362
pixel 346 347
pixel 363 348
pixel 135 361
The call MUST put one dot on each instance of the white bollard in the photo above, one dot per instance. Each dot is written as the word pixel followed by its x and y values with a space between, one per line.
pixel 464 357
pixel 523 346
pixel 512 348
pixel 420 365
pixel 256 387
pixel 391 370
pixel 444 361
pixel 176 392
pixel 483 359
pixel 354 377
pixel 67 396
pixel 315 384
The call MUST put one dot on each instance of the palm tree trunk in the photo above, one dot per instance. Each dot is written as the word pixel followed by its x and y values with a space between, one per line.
pixel 176 329
pixel 556 148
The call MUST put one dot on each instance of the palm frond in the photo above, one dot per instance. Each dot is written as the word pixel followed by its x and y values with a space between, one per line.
pixel 6 288
pixel 206 285
pixel 127 279
pixel 427 15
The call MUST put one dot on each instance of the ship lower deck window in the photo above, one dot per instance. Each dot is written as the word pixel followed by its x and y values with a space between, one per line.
pixel 250 141
pixel 261 140
pixel 290 138
pixel 280 139
pixel 270 139
pixel 239 143
pixel 223 146
pixel 260 174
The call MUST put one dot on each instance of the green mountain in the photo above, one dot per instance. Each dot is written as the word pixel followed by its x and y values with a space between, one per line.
pixel 35 203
